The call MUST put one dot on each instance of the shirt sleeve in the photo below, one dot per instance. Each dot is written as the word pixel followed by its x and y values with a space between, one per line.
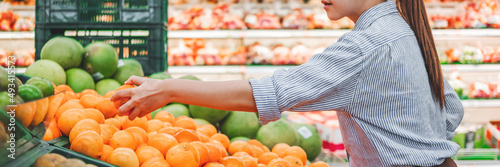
pixel 326 82
pixel 454 110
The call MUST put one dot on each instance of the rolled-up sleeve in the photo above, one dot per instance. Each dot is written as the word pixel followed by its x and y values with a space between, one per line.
pixel 326 82
pixel 454 110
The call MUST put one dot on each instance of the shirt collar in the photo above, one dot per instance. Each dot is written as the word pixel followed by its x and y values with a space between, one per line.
pixel 374 13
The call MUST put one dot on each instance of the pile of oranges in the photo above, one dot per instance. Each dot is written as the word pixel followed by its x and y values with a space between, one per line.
pixel 94 129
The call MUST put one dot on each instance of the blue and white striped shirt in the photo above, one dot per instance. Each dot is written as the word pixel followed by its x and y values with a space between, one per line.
pixel 375 78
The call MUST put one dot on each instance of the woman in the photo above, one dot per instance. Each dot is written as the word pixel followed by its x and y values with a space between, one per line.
pixel 383 78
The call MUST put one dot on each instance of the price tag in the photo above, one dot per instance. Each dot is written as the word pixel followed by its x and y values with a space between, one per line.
pixel 304 132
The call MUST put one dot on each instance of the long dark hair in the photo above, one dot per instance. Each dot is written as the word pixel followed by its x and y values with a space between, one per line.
pixel 414 12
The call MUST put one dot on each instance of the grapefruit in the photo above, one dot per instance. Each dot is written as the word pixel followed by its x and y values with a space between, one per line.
pixel 106 85
pixel 201 121
pixel 47 69
pixel 43 84
pixel 100 60
pixel 30 93
pixel 127 68
pixel 239 138
pixel 190 77
pixel 160 76
pixel 276 132
pixel 309 140
pixel 79 80
pixel 65 51
pixel 176 110
pixel 211 115
pixel 244 124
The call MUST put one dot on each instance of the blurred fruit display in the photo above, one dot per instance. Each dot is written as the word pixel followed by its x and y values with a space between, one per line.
pixel 20 2
pixel 23 58
pixel 10 21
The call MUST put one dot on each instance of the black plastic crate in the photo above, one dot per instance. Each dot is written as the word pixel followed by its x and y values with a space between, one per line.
pixel 145 43
pixel 101 11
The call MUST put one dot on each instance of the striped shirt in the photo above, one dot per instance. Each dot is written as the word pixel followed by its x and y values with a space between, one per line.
pixel 376 80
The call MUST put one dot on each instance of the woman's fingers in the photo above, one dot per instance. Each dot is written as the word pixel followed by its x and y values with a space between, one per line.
pixel 126 108
pixel 135 80
pixel 143 114
pixel 134 113
pixel 126 93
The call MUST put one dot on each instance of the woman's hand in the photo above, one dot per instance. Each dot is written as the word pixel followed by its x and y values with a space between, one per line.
pixel 150 95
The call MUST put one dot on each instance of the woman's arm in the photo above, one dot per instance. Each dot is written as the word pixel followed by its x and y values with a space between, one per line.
pixel 153 94
pixel 454 110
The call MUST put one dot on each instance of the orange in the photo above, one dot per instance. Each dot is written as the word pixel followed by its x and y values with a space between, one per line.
pixel 82 126
pixel 155 125
pixel 183 155
pixel 68 120
pixel 137 122
pixel 294 161
pixel 24 112
pixel 203 138
pixel 68 96
pixel 107 132
pixel 185 122
pixel 319 164
pixel 213 164
pixel 186 135
pixel 258 144
pixel 151 134
pixel 66 106
pixel 123 87
pixel 120 102
pixel 89 91
pixel 140 132
pixel 162 142
pixel 256 151
pixel 122 120
pixel 279 162
pixel 107 108
pixel 90 100
pixel 223 151
pixel 54 103
pixel 89 143
pixel 238 146
pixel 48 135
pixel 222 138
pixel 123 139
pixel 202 151
pixel 232 162
pixel 167 124
pixel 298 152
pixel 60 88
pixel 239 154
pixel 74 100
pixel 77 96
pixel 114 122
pixel 52 127
pixel 249 160
pixel 95 115
pixel 106 151
pixel 214 154
pixel 170 130
pixel 42 106
pixel 207 129
pixel 148 116
pixel 280 149
pixel 261 165
pixel 145 153
pixel 109 94
pixel 267 157
pixel 165 116
pixel 123 157
pixel 156 162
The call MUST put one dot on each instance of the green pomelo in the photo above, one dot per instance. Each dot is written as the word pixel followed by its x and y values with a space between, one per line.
pixel 160 75
pixel 30 93
pixel 309 140
pixel 190 77
pixel 4 79
pixel 4 99
pixel 239 138
pixel 244 124
pixel 43 84
pixel 65 51
pixel 201 121
pixel 79 80
pixel 47 69
pixel 211 115
pixel 127 68
pixel 276 132
pixel 104 86
pixel 100 60
pixel 177 110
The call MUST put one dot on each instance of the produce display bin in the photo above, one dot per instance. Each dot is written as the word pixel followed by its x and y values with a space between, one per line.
pixel 100 11
pixel 24 140
pixel 29 158
pixel 145 43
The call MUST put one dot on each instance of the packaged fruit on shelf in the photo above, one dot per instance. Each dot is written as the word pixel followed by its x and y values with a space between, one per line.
pixel 20 2
pixel 10 21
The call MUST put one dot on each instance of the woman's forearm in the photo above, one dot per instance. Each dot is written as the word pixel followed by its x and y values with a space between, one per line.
pixel 223 95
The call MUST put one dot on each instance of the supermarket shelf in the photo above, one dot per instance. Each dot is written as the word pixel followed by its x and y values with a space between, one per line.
pixel 16 35
pixel 222 34
pixel 270 69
